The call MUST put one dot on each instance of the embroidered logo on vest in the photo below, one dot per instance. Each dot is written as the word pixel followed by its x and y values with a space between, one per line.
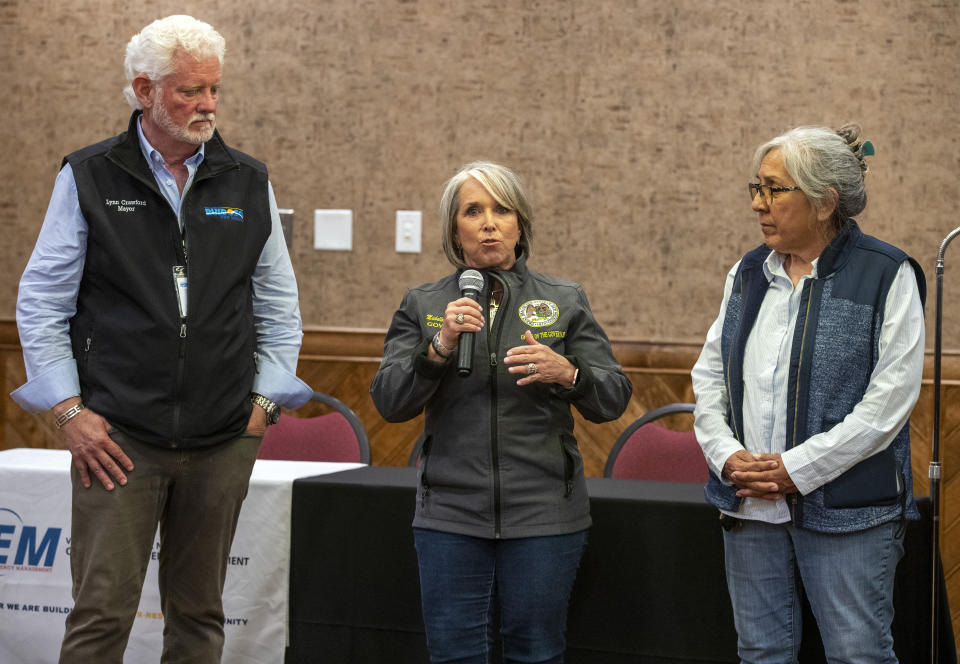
pixel 226 213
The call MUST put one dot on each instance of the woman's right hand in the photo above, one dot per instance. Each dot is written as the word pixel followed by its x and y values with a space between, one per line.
pixel 450 331
pixel 741 462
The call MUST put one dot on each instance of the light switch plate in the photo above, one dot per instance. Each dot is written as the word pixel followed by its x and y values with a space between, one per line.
pixel 409 226
pixel 333 230
pixel 286 225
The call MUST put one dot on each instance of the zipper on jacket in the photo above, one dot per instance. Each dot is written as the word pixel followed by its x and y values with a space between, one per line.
pixel 800 366
pixel 85 359
pixel 726 374
pixel 733 415
pixel 181 355
pixel 493 338
pixel 495 446
pixel 182 345
pixel 568 466
pixel 796 507
pixel 424 460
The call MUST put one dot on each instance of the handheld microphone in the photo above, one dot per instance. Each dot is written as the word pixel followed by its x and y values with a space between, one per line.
pixel 471 285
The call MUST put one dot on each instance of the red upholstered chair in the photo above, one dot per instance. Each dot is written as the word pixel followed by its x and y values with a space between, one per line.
pixel 335 436
pixel 647 450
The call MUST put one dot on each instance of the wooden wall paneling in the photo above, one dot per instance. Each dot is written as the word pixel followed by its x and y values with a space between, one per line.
pixel 921 439
pixel 950 480
pixel 19 428
pixel 6 405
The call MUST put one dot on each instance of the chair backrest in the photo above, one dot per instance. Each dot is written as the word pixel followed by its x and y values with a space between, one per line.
pixel 647 450
pixel 335 436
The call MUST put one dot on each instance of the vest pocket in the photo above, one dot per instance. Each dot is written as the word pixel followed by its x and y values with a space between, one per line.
pixel 568 447
pixel 874 482
pixel 83 349
pixel 424 462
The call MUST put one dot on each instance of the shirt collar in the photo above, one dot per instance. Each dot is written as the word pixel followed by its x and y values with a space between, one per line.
pixel 155 159
pixel 773 266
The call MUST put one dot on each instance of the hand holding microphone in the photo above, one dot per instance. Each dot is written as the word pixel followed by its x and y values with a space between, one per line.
pixel 462 318
pixel 471 285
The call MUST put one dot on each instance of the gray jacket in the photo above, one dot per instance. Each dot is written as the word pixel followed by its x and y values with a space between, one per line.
pixel 500 460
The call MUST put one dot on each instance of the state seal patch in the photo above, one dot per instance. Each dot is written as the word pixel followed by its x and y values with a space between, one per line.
pixel 539 313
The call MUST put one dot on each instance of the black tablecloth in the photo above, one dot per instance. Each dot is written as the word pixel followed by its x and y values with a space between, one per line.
pixel 650 589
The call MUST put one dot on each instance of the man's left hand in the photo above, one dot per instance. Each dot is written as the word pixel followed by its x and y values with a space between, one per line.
pixel 767 484
pixel 257 424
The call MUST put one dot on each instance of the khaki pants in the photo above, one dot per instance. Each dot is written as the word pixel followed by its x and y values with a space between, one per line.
pixel 195 495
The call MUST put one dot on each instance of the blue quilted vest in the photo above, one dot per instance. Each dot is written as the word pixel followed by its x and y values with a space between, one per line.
pixel 835 348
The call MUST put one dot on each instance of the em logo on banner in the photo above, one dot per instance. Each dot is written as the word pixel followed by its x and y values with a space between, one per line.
pixel 26 548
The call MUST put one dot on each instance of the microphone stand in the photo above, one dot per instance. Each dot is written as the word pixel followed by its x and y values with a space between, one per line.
pixel 934 470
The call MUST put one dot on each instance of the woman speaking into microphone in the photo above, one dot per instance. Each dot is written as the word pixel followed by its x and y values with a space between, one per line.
pixel 502 509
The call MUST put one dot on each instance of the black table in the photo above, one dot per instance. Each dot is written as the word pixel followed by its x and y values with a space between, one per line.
pixel 650 590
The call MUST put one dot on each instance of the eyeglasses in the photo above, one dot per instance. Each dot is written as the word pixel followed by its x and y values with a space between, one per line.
pixel 766 191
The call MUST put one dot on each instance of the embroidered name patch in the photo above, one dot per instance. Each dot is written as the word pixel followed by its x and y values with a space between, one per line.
pixel 229 213
pixel 539 313
pixel 124 205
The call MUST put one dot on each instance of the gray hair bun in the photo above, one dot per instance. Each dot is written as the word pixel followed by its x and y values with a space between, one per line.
pixel 852 134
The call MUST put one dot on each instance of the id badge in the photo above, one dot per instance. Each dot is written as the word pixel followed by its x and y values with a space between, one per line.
pixel 180 283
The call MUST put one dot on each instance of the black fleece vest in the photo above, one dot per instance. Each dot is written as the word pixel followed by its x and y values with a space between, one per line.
pixel 149 374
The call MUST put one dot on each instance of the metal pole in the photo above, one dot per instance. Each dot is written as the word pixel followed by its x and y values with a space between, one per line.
pixel 934 470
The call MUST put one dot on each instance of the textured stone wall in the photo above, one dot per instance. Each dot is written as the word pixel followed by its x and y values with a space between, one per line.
pixel 633 124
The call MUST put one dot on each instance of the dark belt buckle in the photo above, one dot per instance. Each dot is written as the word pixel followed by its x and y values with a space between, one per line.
pixel 730 523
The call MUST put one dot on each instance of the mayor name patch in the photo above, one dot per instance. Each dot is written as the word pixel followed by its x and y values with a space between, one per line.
pixel 123 205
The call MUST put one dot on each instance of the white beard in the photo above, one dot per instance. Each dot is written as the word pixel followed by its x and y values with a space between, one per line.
pixel 163 120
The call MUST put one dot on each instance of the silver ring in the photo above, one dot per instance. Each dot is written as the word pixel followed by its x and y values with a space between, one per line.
pixel 459 319
pixel 531 368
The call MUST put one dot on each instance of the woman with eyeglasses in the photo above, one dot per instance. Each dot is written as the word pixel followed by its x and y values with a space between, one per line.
pixel 804 390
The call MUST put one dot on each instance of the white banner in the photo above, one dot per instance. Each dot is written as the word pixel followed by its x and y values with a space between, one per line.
pixel 35 584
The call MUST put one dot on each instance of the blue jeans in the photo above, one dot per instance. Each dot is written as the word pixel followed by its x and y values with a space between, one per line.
pixel 531 578
pixel 848 580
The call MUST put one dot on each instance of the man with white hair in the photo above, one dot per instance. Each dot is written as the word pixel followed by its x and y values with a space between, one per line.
pixel 160 324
